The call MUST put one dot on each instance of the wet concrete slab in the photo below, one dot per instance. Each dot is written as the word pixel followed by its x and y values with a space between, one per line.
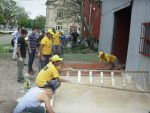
pixel 76 98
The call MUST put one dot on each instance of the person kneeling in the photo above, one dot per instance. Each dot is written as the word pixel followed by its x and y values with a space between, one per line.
pixel 109 60
pixel 32 100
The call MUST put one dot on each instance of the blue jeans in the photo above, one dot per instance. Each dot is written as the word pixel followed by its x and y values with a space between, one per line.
pixel 56 49
pixel 31 59
pixel 45 61
pixel 38 109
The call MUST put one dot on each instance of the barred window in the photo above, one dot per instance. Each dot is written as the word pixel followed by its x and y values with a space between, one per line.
pixel 145 39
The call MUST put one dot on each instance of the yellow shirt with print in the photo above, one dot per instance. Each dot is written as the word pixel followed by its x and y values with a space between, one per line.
pixel 47 46
pixel 56 39
pixel 108 58
pixel 49 72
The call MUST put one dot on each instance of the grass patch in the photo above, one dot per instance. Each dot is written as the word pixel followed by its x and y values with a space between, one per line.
pixel 81 57
pixel 4 50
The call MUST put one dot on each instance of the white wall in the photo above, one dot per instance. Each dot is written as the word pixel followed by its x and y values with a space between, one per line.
pixel 136 61
pixel 107 22
pixel 140 13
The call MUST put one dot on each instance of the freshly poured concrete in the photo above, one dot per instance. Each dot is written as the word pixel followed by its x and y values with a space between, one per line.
pixel 74 98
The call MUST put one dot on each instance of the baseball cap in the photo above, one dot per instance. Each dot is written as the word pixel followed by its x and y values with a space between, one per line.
pixel 100 53
pixel 50 31
pixel 56 58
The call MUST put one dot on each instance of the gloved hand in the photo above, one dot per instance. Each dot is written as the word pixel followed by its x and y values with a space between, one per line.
pixel 20 59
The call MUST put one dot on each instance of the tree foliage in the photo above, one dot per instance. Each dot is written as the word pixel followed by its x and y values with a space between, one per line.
pixel 9 11
pixel 11 14
pixel 40 21
pixel 26 22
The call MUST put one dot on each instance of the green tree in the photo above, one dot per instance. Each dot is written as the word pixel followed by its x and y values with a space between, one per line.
pixel 2 20
pixel 11 13
pixel 22 18
pixel 40 21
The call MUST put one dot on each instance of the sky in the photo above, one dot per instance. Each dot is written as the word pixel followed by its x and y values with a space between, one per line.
pixel 33 7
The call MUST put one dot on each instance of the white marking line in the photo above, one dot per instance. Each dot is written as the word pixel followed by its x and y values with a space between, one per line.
pixel 101 77
pixel 123 79
pixel 79 76
pixel 113 79
pixel 67 75
pixel 90 77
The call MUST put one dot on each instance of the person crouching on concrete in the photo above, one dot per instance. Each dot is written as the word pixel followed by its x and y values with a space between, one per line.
pixel 109 60
pixel 32 100
pixel 21 51
pixel 50 73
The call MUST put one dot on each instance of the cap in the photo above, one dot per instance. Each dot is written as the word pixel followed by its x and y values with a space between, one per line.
pixel 50 31
pixel 56 58
pixel 100 53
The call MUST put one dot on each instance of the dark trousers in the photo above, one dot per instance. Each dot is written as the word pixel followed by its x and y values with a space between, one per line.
pixel 20 65
pixel 45 61
pixel 74 44
pixel 31 59
pixel 56 49
pixel 38 109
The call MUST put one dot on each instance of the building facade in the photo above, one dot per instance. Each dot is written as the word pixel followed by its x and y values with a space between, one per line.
pixel 125 32
pixel 54 16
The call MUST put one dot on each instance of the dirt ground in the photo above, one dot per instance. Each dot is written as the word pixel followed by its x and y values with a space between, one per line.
pixel 10 89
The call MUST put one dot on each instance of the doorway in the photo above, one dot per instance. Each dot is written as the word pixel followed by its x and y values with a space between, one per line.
pixel 121 34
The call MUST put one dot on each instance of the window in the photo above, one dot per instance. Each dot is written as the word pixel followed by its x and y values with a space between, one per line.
pixel 59 26
pixel 59 14
pixel 145 39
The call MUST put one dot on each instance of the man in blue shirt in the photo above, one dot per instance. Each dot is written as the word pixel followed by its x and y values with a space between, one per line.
pixel 32 45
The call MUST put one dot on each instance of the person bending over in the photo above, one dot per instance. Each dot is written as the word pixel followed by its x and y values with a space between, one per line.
pixel 110 60
pixel 32 100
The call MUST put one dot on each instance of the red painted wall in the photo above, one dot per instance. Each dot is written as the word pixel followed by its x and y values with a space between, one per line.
pixel 90 10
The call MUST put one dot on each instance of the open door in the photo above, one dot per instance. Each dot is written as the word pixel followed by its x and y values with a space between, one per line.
pixel 121 34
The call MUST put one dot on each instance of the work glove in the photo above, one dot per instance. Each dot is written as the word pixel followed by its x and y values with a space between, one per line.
pixel 20 59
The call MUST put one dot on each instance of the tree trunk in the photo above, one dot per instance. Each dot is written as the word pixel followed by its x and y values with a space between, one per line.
pixel 89 28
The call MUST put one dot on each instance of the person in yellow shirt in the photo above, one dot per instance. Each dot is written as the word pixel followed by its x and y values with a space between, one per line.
pixel 107 59
pixel 56 43
pixel 45 50
pixel 49 76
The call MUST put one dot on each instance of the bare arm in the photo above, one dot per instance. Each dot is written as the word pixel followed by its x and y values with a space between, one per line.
pixel 40 49
pixel 62 80
pixel 44 98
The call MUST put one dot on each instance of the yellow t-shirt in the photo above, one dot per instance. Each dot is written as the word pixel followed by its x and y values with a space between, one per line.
pixel 108 58
pixel 49 72
pixel 56 38
pixel 47 46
